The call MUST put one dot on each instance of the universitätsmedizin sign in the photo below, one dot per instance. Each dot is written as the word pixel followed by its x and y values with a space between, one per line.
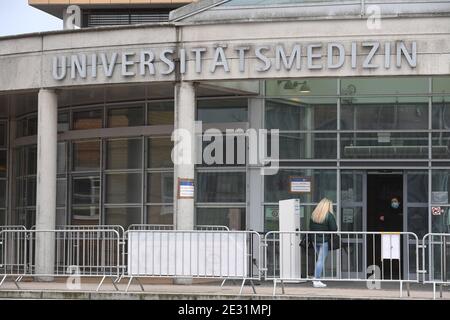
pixel 148 62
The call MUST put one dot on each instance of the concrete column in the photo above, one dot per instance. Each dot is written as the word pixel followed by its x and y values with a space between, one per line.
pixel 185 120
pixel 46 182
pixel 184 209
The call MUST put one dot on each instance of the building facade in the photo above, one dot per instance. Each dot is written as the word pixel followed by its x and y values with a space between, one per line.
pixel 96 13
pixel 87 116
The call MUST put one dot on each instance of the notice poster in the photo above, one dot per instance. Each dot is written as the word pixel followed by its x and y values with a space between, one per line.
pixel 390 247
pixel 299 184
pixel 185 189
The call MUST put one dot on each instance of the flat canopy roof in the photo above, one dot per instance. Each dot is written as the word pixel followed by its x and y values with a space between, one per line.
pixel 56 8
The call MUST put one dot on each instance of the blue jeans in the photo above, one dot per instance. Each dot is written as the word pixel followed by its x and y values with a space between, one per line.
pixel 322 248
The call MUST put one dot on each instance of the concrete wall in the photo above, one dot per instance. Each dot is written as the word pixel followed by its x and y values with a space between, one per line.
pixel 26 61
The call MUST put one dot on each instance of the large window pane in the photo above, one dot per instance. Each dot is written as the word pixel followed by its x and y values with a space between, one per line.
pixel 85 215
pixel 128 117
pixel 351 186
pixel 392 145
pixel 85 200
pixel 351 218
pixel 417 187
pixel 3 163
pixel 233 218
pixel 2 193
pixel 160 113
pixel 384 85
pixel 63 122
pixel 441 85
pixel 61 158
pixel 441 114
pixel 85 191
pixel 3 134
pixel 441 223
pixel 123 188
pixel 86 156
pixel 124 154
pixel 160 187
pixel 382 113
pixel 123 216
pixel 418 221
pixel 307 146
pixel 30 195
pixel 30 154
pixel 2 217
pixel 233 149
pixel 160 153
pixel 61 187
pixel 228 110
pixel 323 184
pixel 440 183
pixel 90 119
pixel 441 145
pixel 160 214
pixel 221 187
pixel 304 87
pixel 298 114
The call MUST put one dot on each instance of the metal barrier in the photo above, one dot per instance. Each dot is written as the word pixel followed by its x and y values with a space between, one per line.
pixel 94 227
pixel 436 260
pixel 90 253
pixel 192 254
pixel 171 227
pixel 12 227
pixel 293 257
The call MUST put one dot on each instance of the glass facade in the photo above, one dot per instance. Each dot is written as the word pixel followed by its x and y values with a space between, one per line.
pixel 334 132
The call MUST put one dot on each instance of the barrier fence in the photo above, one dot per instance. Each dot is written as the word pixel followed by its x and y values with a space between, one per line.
pixel 351 256
pixel 214 252
pixel 192 254
pixel 86 253
pixel 436 260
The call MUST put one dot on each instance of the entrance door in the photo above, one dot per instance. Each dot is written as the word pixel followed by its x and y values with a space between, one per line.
pixel 384 214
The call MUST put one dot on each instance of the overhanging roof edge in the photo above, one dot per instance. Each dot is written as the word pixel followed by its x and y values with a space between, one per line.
pixel 194 8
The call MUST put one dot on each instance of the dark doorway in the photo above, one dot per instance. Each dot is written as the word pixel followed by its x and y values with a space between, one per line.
pixel 384 214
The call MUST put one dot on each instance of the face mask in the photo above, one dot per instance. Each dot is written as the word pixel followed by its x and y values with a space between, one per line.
pixel 395 204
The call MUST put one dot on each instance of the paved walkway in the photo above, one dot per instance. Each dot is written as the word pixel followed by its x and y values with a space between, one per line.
pixel 164 289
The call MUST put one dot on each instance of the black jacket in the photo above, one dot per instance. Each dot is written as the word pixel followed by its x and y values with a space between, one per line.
pixel 329 224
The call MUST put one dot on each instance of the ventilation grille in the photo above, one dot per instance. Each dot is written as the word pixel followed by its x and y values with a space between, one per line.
pixel 111 19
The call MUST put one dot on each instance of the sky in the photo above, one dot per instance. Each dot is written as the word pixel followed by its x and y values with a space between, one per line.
pixel 17 17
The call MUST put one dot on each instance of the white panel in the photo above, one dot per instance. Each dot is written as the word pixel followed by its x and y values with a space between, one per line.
pixel 289 219
pixel 390 246
pixel 202 254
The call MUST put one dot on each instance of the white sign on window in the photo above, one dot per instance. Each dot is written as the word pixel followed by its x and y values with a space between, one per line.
pixel 300 185
pixel 390 247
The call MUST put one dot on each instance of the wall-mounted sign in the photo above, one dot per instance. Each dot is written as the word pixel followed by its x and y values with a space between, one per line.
pixel 439 197
pixel 390 246
pixel 436 211
pixel 299 184
pixel 185 188
pixel 347 215
pixel 149 62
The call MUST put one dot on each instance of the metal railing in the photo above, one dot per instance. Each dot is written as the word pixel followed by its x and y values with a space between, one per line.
pixel 84 253
pixel 192 254
pixel 171 227
pixel 436 260
pixel 352 256
pixel 118 228
pixel 214 252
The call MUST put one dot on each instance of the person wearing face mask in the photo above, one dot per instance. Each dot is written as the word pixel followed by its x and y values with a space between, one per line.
pixel 391 220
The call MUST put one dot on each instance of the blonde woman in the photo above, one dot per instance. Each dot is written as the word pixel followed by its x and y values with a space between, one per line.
pixel 322 220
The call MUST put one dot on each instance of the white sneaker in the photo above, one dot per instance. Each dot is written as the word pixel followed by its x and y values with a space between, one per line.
pixel 319 284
